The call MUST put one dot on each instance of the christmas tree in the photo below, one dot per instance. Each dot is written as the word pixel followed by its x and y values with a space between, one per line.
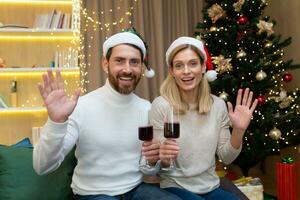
pixel 246 52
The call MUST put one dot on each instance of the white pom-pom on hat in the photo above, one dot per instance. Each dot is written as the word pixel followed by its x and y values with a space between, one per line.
pixel 211 75
pixel 150 73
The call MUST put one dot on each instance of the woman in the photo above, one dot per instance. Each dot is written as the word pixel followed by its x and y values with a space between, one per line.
pixel 204 124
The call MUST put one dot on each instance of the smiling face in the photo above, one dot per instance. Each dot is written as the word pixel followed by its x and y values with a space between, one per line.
pixel 187 70
pixel 124 68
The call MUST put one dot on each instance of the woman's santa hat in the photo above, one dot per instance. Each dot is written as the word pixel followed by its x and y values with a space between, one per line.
pixel 210 74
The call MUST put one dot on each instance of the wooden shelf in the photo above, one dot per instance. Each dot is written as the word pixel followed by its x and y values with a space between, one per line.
pixel 25 70
pixel 16 110
pixel 38 34
pixel 30 72
pixel 28 52
pixel 35 30
pixel 38 2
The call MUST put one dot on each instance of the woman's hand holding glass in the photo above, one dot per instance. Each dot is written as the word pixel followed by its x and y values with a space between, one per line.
pixel 168 152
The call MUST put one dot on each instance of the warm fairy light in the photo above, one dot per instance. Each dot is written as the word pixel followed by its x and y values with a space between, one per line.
pixel 76 17
pixel 91 21
pixel 107 25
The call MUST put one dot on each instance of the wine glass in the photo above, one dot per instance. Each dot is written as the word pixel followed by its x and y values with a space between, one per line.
pixel 171 131
pixel 145 134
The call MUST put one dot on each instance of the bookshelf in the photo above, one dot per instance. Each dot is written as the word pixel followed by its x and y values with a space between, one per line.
pixel 34 38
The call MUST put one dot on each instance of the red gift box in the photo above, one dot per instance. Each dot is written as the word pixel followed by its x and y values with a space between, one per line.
pixel 286 174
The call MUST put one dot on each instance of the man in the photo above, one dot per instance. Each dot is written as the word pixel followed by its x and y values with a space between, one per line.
pixel 103 125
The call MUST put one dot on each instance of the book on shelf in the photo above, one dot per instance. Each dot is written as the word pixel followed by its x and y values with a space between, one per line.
pixel 53 20
pixel 50 18
pixel 2 103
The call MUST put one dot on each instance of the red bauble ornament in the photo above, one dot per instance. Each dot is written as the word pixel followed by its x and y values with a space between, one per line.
pixel 287 77
pixel 242 20
pixel 261 100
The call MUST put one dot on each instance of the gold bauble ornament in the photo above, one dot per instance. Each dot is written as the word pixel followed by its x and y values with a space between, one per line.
pixel 213 28
pixel 224 96
pixel 275 133
pixel 241 53
pixel 261 75
pixel 268 44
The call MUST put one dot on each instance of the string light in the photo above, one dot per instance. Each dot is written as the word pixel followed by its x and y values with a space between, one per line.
pixel 91 22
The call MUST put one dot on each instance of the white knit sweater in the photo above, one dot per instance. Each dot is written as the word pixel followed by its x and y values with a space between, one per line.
pixel 104 127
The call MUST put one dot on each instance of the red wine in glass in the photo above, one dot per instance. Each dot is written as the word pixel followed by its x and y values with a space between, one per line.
pixel 146 133
pixel 171 130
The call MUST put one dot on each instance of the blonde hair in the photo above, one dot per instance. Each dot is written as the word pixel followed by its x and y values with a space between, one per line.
pixel 170 90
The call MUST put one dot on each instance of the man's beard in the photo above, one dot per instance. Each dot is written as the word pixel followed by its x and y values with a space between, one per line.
pixel 115 82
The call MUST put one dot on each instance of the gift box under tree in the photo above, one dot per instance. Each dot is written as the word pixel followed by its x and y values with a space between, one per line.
pixel 286 174
pixel 251 187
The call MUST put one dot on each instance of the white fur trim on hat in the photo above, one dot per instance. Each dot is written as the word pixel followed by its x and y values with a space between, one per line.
pixel 183 41
pixel 150 73
pixel 123 38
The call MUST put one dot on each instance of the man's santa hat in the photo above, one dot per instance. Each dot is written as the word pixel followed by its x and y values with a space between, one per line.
pixel 129 37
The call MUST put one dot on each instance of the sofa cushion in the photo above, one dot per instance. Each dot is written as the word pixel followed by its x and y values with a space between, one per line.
pixel 18 180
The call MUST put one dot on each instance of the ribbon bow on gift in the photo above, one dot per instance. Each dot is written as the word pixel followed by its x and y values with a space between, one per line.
pixel 287 160
pixel 247 181
pixel 243 180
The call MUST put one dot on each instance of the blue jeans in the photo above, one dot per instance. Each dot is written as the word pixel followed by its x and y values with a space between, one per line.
pixel 143 191
pixel 213 195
